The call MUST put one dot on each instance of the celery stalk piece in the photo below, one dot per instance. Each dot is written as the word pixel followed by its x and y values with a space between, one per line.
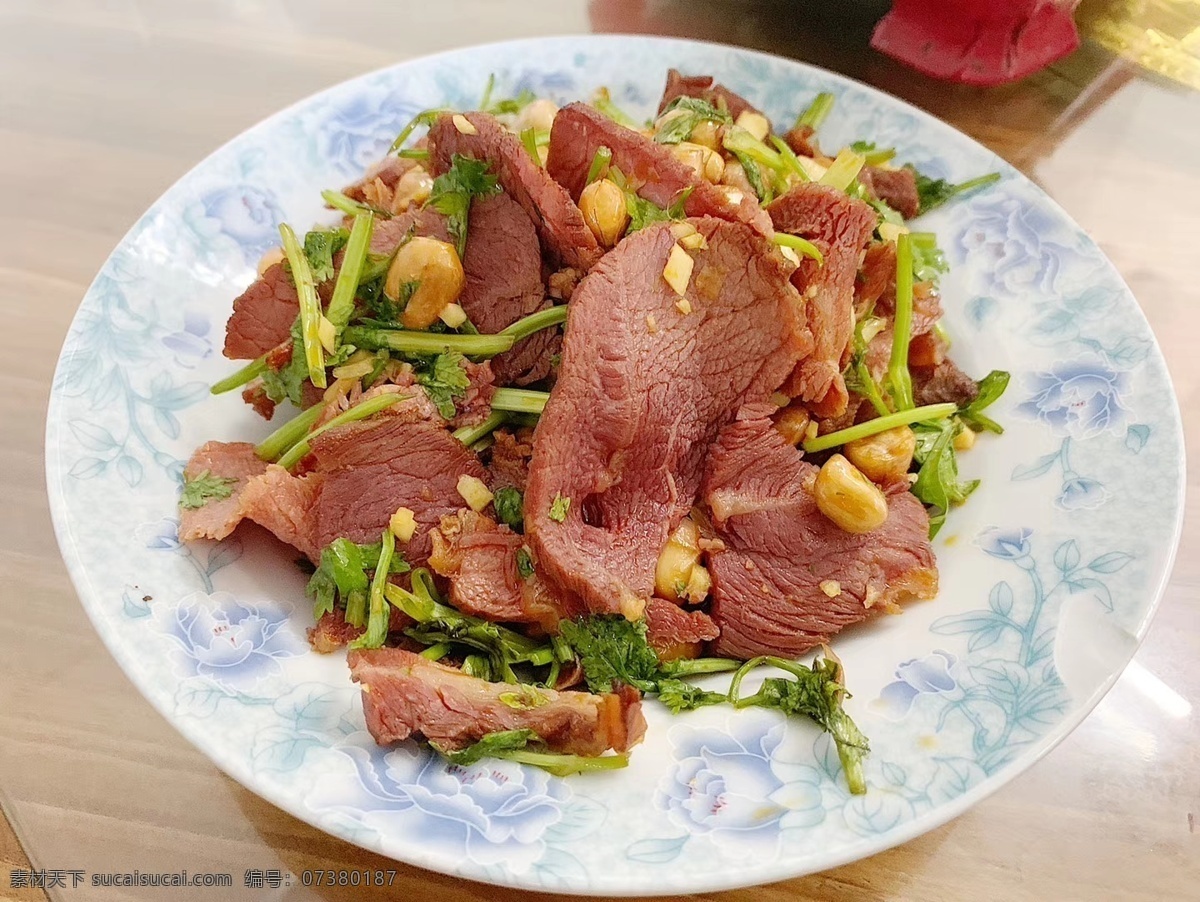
pixel 310 306
pixel 341 305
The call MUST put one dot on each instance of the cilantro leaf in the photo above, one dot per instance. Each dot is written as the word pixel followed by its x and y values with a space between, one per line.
pixel 644 212
pixel 817 693
pixel 288 381
pixel 453 191
pixel 444 379
pixel 320 245
pixel 612 650
pixel 203 488
pixel 512 105
pixel 680 696
pixel 342 573
pixel 510 506
pixel 932 193
pixel 694 111
pixel 524 562
pixel 937 482
pixel 991 387
pixel 493 745
pixel 929 263
pixel 559 507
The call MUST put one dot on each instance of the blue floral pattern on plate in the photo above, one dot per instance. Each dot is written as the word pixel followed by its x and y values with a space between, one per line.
pixel 1079 509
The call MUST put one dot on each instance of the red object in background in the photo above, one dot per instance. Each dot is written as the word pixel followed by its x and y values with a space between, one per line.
pixel 977 42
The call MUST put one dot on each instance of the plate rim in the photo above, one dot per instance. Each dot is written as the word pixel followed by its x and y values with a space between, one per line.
pixel 866 847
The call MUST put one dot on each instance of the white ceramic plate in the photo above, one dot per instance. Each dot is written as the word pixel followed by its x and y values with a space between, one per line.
pixel 1050 573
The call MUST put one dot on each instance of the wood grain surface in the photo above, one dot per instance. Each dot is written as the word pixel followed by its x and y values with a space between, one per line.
pixel 103 105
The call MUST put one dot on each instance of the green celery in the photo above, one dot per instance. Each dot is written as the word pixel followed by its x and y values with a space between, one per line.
pixel 246 374
pixel 310 306
pixel 796 243
pixel 600 163
pixel 844 169
pixel 378 618
pixel 519 400
pixel 359 411
pixel 879 424
pixel 289 433
pixel 899 379
pixel 341 305
pixel 817 111
pixel 469 435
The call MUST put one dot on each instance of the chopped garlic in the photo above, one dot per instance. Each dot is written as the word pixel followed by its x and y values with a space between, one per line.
pixel 678 271
pixel 811 432
pixel 755 123
pixel 474 492
pixel 327 333
pixel 453 315
pixel 403 524
pixel 789 254
pixel 890 231
pixel 651 324
pixel 779 399
pixel 814 169
pixel 733 195
pixel 684 306
pixel 965 440
pixel 694 242
pixel 682 229
pixel 463 124
pixel 831 587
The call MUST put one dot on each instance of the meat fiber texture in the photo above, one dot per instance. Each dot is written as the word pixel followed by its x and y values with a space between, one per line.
pixel 841 227
pixel 580 130
pixel 352 482
pixel 675 632
pixel 405 695
pixel 787 578
pixel 643 389
pixel 565 236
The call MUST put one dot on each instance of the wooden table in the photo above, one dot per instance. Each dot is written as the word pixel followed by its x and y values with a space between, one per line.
pixel 104 105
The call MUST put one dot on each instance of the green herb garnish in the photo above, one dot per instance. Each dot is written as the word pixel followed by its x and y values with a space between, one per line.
pixel 203 488
pixel 444 380
pixel 693 111
pixel 559 507
pixel 454 190
pixel 510 507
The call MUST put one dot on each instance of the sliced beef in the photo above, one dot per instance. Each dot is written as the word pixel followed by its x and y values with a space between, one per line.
pixel 480 559
pixel 219 516
pixel 405 695
pixel 943 383
pixel 786 578
pixel 503 269
pixel 674 632
pixel 565 236
pixel 370 469
pixel 876 276
pixel 841 227
pixel 802 140
pixel 283 504
pixel 895 187
pixel 642 390
pixel 509 464
pixel 580 130
pixel 262 315
pixel 705 88
pixel 354 480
